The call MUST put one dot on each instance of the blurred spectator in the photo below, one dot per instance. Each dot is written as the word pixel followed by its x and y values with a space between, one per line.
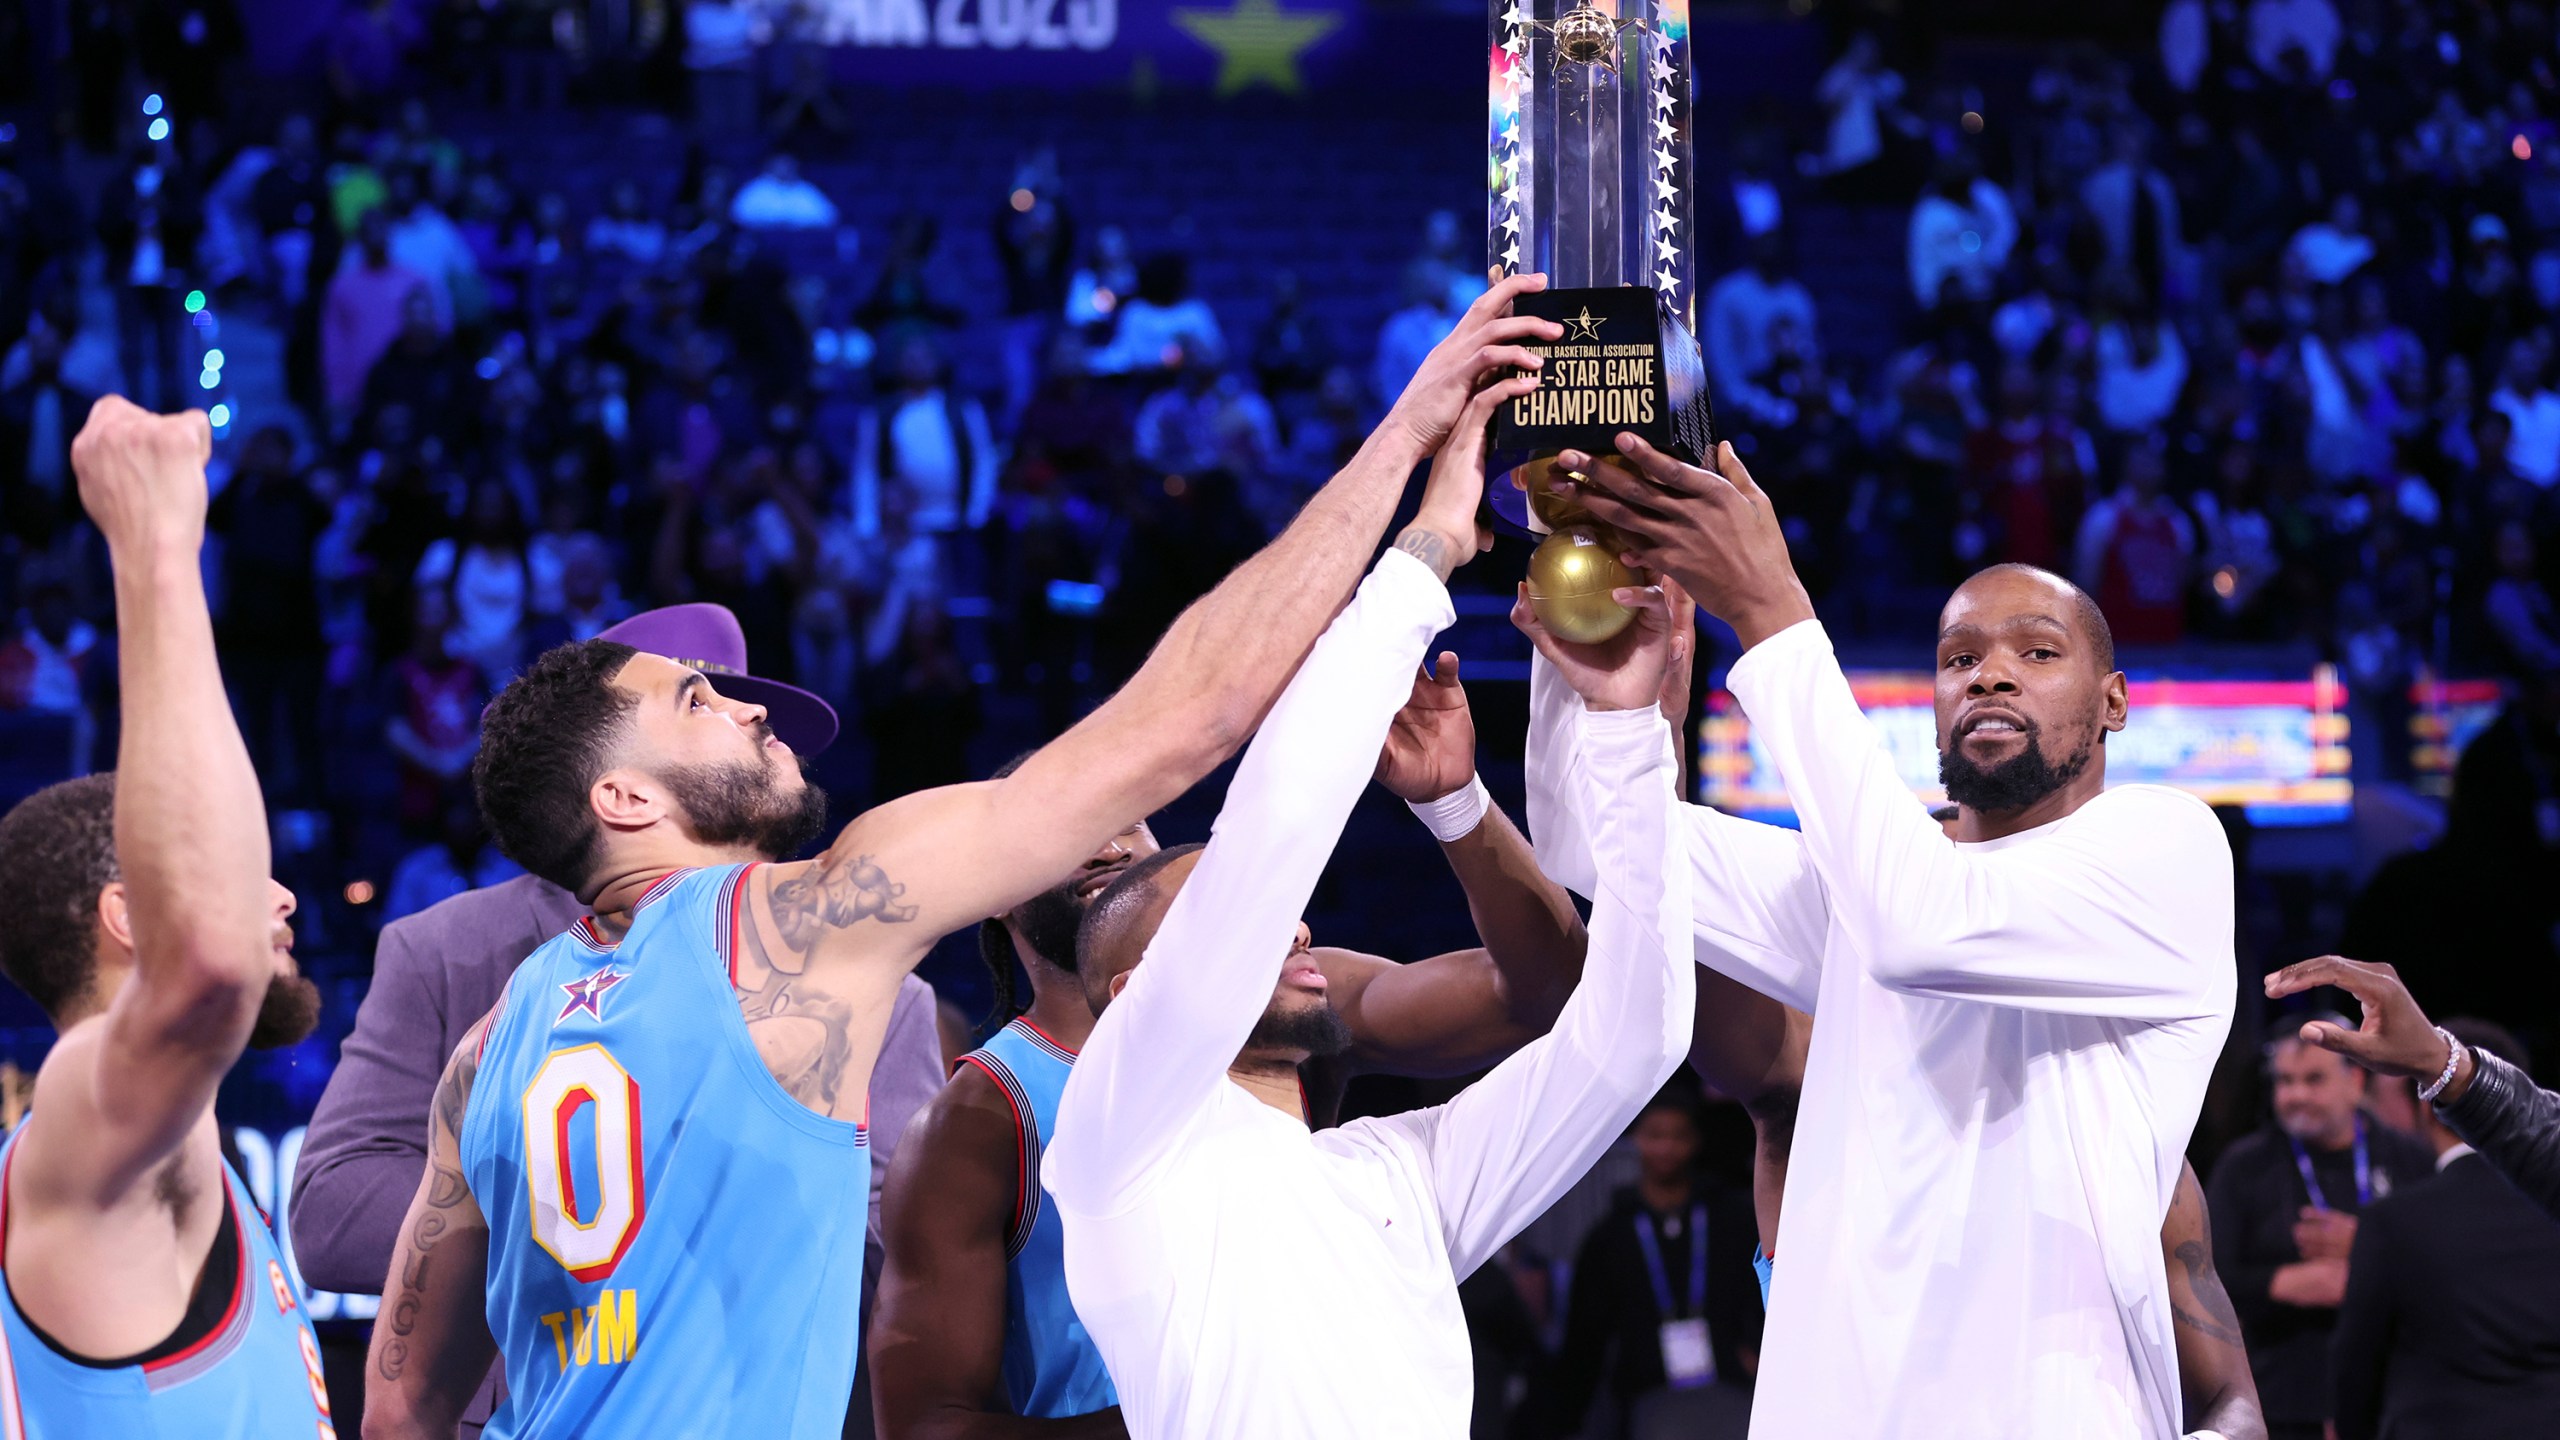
pixel 47 649
pixel 1961 233
pixel 911 290
pixel 2451 1322
pixel 484 571
pixel 2524 395
pixel 1036 241
pixel 367 307
pixel 1446 259
pixel 1209 418
pixel 2519 607
pixel 367 47
pixel 930 444
pixel 720 39
pixel 424 240
pixel 459 858
pixel 1162 320
pixel 434 705
pixel 1409 335
pixel 626 228
pixel 419 385
pixel 84 359
pixel 2285 1203
pixel 778 198
pixel 1108 276
pixel 2141 363
pixel 2293 40
pixel 2334 247
pixel 1662 1308
pixel 270 524
pixel 2034 466
pixel 1863 98
pixel 1742 310
pixel 39 413
pixel 2134 550
pixel 149 220
pixel 590 600
pixel 922 710
pixel 2134 208
pixel 290 201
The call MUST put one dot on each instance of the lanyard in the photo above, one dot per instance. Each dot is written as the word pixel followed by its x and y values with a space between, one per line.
pixel 1661 1278
pixel 2364 1172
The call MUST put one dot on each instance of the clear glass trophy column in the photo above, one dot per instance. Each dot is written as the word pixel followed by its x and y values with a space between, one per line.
pixel 1589 178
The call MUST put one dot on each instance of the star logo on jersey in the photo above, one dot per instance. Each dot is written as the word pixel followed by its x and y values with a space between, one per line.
pixel 587 993
pixel 1585 326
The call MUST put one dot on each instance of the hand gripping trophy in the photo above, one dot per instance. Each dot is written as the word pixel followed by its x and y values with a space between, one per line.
pixel 1590 176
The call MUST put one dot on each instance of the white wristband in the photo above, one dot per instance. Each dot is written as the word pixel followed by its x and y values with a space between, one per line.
pixel 1455 815
pixel 2207 1435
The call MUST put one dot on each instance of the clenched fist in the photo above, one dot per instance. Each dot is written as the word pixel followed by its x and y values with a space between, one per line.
pixel 142 476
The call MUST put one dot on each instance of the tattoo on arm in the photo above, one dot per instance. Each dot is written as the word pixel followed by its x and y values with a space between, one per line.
pixel 1430 547
pixel 446 1192
pixel 835 893
pixel 2219 1321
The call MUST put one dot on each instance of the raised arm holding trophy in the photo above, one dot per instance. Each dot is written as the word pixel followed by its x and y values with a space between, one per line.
pixel 1589 170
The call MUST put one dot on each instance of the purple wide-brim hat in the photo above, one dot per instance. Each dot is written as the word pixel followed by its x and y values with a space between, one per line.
pixel 707 638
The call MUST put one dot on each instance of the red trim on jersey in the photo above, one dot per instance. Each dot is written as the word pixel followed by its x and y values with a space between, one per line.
pixel 230 1312
pixel 561 1115
pixel 639 1205
pixel 1025 1022
pixel 1021 1180
pixel 738 920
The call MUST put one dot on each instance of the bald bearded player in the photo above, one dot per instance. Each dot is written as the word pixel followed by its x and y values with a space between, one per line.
pixel 2016 1020
pixel 974 1338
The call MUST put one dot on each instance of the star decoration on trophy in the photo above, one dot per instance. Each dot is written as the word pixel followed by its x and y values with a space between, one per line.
pixel 1584 326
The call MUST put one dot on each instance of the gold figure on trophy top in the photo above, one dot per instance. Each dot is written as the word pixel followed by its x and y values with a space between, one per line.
pixel 1588 35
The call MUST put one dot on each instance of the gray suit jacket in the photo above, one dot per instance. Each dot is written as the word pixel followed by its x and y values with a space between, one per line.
pixel 434 974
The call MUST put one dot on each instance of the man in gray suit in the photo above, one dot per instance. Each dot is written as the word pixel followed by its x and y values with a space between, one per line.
pixel 440 970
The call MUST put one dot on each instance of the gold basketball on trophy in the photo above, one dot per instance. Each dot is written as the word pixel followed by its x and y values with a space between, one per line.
pixel 1570 577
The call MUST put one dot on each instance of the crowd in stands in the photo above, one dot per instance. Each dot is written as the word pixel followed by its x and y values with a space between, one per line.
pixel 2253 335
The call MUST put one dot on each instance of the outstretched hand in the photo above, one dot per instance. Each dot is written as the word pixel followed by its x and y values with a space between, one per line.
pixel 1444 534
pixel 1485 339
pixel 2395 1036
pixel 1628 671
pixel 1431 746
pixel 1712 530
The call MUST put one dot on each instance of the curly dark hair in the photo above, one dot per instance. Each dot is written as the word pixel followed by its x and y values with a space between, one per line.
pixel 543 742
pixel 57 851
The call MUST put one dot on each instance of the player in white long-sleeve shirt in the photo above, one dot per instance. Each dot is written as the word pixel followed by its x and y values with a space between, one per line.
pixel 2015 1023
pixel 1242 1276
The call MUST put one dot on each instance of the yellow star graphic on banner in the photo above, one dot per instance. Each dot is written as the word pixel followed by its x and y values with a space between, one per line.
pixel 1257 42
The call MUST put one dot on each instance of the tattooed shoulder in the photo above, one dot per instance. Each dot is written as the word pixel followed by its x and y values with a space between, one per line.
pixel 836 891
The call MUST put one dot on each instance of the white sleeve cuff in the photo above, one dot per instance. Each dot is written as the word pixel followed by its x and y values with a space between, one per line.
pixel 1456 815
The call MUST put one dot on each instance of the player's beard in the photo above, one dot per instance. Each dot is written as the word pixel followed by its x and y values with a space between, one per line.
pixel 741 802
pixel 1317 1028
pixel 289 1012
pixel 1049 921
pixel 2014 783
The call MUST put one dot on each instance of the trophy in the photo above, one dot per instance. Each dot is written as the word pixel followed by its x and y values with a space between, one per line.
pixel 1590 177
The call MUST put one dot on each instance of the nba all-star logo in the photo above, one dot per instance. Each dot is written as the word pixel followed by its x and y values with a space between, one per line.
pixel 587 992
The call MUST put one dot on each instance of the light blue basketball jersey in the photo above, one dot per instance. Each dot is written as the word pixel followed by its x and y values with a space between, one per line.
pixel 675 1243
pixel 256 1374
pixel 1051 1369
